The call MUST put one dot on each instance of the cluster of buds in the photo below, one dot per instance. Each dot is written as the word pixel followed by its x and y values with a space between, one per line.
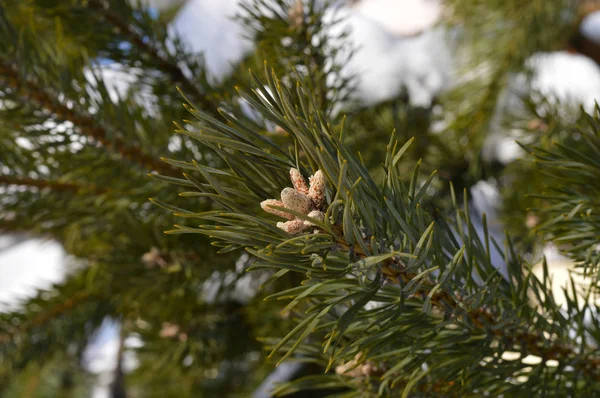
pixel 362 370
pixel 303 198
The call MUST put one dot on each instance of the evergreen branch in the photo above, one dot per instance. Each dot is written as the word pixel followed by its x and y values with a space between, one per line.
pixel 437 387
pixel 568 170
pixel 166 65
pixel 32 92
pixel 481 318
pixel 41 319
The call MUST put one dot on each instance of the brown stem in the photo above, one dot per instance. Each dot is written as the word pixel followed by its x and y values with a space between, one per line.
pixel 85 122
pixel 170 68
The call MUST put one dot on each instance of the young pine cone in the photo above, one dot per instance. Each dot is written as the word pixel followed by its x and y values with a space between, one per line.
pixel 296 201
pixel 265 204
pixel 362 370
pixel 317 190
pixel 316 214
pixel 292 227
pixel 298 181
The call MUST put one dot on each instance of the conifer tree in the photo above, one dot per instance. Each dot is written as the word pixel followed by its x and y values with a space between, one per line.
pixel 354 219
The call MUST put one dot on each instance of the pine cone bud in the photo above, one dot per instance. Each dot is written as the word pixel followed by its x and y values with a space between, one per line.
pixel 344 369
pixel 316 214
pixel 317 189
pixel 365 369
pixel 273 202
pixel 298 181
pixel 296 201
pixel 169 330
pixel 292 227
pixel 154 258
pixel 280 130
pixel 368 369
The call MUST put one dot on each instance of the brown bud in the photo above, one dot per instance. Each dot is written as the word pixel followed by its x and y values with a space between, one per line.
pixel 316 214
pixel 296 201
pixel 317 189
pixel 364 369
pixel 344 369
pixel 280 130
pixel 537 124
pixel 298 181
pixel 531 220
pixel 169 330
pixel 154 258
pixel 292 227
pixel 368 369
pixel 265 204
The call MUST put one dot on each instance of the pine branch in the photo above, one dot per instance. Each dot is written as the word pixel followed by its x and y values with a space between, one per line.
pixel 30 91
pixel 164 63
pixel 40 319
pixel 483 319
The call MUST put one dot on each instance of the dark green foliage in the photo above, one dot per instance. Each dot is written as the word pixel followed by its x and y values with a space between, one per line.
pixel 570 217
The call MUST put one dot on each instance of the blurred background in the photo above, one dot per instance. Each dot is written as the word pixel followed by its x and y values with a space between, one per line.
pixel 407 56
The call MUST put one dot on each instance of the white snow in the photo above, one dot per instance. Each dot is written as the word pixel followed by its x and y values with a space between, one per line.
pixel 28 266
pixel 207 27
pixel 245 285
pixel 115 77
pixel 506 149
pixel 402 18
pixel 384 64
pixel 283 372
pixel 564 79
pixel 118 80
pixel 590 26
pixel 486 198
pixel 561 271
pixel 101 355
